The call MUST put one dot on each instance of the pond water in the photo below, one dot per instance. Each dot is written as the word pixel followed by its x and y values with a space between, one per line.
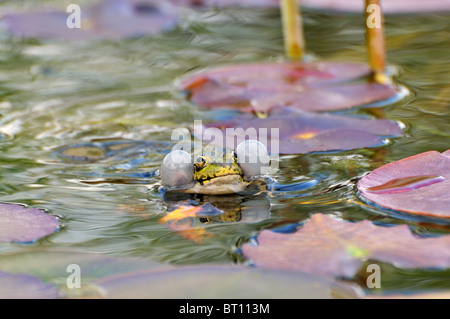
pixel 54 94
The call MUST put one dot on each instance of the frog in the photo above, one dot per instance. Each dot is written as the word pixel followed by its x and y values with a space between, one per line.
pixel 236 189
pixel 217 172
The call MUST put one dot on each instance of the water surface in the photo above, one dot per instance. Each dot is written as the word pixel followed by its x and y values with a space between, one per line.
pixel 61 93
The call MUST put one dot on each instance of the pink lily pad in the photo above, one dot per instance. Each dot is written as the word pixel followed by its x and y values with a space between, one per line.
pixel 228 3
pixel 50 265
pixel 261 87
pixel 391 6
pixel 303 132
pixel 218 281
pixel 25 287
pixel 22 224
pixel 418 185
pixel 111 19
pixel 437 294
pixel 332 247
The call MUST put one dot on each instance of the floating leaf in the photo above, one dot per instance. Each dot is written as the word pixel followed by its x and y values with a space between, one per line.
pixel 418 185
pixel 120 155
pixel 262 87
pixel 21 224
pixel 51 265
pixel 219 281
pixel 112 19
pixel 303 132
pixel 227 3
pixel 120 149
pixel 391 6
pixel 25 287
pixel 82 153
pixel 331 247
pixel 357 6
pixel 437 294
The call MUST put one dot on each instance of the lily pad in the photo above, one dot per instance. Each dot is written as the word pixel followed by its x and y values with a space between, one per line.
pixel 219 281
pixel 25 287
pixel 302 132
pixel 50 265
pixel 228 3
pixel 438 294
pixel 418 185
pixel 261 87
pixel 357 6
pixel 111 19
pixel 21 224
pixel 119 149
pixel 391 6
pixel 326 246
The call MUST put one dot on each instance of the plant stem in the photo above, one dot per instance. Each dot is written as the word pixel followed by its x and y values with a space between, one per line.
pixel 292 29
pixel 375 41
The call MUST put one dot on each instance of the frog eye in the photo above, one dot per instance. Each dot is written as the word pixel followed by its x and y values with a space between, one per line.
pixel 205 220
pixel 253 158
pixel 200 162
pixel 176 169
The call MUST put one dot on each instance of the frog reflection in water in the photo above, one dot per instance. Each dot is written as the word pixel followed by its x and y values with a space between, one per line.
pixel 215 178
